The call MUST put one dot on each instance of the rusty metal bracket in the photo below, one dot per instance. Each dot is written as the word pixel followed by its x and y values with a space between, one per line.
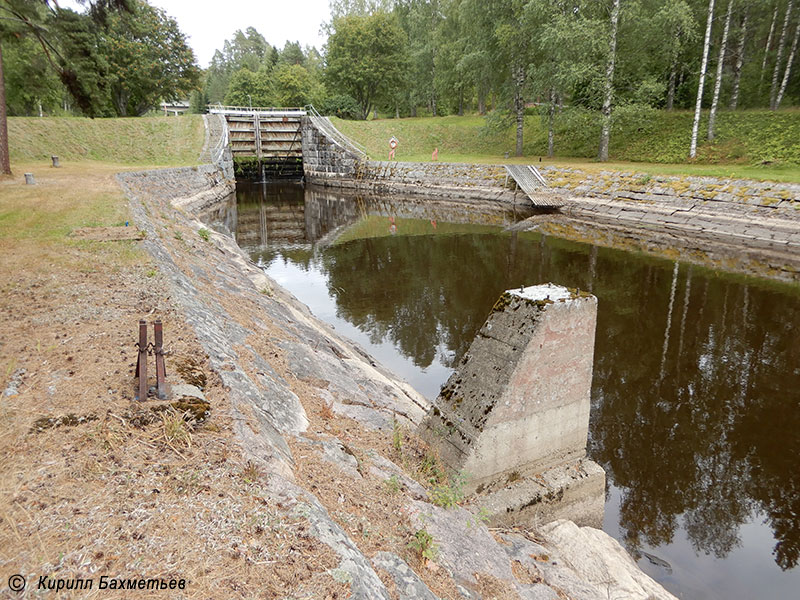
pixel 158 350
pixel 153 348
pixel 141 362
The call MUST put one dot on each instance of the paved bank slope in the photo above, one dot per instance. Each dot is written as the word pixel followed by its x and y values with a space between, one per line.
pixel 332 429
pixel 741 225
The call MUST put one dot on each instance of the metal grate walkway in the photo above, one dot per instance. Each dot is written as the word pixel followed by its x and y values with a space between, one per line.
pixel 534 185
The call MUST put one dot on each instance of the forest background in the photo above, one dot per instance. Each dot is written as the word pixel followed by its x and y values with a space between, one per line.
pixel 578 68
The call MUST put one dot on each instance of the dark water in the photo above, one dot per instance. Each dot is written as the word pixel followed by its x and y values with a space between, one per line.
pixel 696 391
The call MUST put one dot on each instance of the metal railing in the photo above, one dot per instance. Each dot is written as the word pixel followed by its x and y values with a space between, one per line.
pixel 218 109
pixel 337 137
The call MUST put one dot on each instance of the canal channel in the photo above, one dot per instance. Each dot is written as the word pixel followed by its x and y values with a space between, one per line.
pixel 696 390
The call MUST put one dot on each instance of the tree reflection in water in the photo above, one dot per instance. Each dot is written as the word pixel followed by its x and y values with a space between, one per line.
pixel 696 393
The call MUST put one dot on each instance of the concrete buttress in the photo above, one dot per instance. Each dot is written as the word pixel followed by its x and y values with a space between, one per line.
pixel 514 416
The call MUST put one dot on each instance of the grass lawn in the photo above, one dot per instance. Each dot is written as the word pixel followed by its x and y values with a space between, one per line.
pixel 164 141
pixel 36 220
pixel 464 139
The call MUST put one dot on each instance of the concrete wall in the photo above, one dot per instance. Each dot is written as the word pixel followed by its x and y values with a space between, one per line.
pixel 514 416
pixel 183 182
pixel 519 400
pixel 329 164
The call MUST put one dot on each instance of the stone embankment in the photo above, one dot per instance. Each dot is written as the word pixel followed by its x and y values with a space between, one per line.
pixel 331 426
pixel 328 163
pixel 745 225
pixel 739 225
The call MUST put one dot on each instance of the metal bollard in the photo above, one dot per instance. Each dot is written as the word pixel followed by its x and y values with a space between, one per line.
pixel 158 350
pixel 29 179
pixel 141 362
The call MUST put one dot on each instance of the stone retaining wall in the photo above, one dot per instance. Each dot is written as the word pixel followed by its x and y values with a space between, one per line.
pixel 328 164
pixel 637 187
pixel 744 225
pixel 760 212
pixel 764 216
pixel 433 180
pixel 740 225
pixel 214 152
pixel 323 158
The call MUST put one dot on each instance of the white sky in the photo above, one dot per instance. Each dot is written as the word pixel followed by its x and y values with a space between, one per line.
pixel 208 24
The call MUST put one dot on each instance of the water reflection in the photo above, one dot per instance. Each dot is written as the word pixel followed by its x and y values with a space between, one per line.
pixel 712 442
pixel 696 393
pixel 268 218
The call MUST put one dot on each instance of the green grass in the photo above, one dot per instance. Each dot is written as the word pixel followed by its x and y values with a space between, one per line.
pixel 163 141
pixel 418 137
pixel 59 203
pixel 36 220
pixel 757 144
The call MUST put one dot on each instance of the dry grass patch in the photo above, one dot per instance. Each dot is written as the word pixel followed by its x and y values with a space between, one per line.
pixel 91 486
pixel 492 588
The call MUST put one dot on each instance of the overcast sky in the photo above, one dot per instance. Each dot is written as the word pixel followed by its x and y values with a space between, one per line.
pixel 208 24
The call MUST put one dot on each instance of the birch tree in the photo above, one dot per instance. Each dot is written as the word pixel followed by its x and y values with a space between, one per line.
pixel 788 70
pixel 737 69
pixel 768 45
pixel 712 116
pixel 773 92
pixel 608 94
pixel 703 67
pixel 518 74
pixel 551 120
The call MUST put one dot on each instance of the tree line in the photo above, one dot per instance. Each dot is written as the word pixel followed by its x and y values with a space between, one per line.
pixel 116 58
pixel 513 57
pixel 503 58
